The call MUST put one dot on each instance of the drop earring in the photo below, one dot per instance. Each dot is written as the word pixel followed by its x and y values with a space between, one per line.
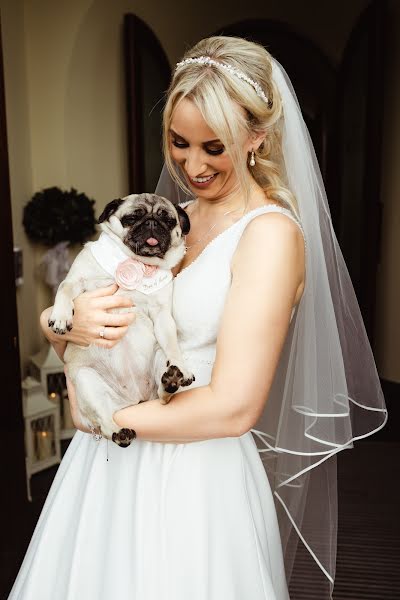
pixel 252 159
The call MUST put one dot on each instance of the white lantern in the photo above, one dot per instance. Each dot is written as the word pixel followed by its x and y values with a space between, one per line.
pixel 42 429
pixel 47 367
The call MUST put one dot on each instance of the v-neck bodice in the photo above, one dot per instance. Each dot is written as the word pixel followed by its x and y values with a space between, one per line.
pixel 199 295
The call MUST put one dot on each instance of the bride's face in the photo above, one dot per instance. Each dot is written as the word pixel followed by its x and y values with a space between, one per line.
pixel 201 155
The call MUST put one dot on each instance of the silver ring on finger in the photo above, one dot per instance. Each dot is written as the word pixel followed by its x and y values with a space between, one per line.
pixel 102 333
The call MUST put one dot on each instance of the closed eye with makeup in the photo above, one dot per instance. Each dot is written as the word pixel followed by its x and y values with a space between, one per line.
pixel 205 173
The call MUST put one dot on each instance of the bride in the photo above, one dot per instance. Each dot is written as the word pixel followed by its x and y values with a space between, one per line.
pixel 226 487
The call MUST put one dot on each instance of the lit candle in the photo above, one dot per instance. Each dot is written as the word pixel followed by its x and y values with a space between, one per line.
pixel 44 444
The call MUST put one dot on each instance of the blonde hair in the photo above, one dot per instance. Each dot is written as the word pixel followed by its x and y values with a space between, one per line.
pixel 220 95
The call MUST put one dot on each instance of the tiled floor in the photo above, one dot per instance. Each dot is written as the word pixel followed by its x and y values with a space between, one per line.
pixel 368 560
pixel 368 554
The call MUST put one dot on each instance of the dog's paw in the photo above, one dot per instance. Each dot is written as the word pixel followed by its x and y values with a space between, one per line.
pixel 123 437
pixel 174 378
pixel 60 326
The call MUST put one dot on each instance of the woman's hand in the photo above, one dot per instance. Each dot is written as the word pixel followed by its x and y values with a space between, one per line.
pixel 91 316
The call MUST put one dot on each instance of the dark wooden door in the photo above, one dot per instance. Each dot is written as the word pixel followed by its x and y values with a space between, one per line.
pixel 13 495
pixel 357 160
pixel 339 106
pixel 147 77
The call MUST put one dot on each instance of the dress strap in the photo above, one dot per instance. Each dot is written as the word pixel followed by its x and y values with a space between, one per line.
pixel 271 208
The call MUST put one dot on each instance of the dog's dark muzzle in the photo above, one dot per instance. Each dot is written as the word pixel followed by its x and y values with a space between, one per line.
pixel 151 238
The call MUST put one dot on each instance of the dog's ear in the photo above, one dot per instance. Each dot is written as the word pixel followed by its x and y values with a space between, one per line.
pixel 110 209
pixel 183 219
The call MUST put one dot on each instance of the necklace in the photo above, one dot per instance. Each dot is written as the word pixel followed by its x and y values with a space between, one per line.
pixel 208 230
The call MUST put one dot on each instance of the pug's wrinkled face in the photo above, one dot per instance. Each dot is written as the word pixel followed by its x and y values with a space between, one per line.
pixel 149 225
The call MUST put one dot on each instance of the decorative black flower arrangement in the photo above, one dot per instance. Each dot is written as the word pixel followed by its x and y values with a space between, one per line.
pixel 54 215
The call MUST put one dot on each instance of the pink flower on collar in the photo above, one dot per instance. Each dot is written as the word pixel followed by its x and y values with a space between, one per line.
pixel 129 273
pixel 149 270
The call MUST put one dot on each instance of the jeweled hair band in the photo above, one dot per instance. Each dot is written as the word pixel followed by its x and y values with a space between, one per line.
pixel 206 60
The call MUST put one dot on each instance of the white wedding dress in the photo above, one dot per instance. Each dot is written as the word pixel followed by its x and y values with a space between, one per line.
pixel 163 521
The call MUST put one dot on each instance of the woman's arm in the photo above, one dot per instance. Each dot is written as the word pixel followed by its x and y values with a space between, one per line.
pixel 268 270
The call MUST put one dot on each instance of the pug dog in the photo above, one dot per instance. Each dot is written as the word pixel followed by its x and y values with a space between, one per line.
pixel 141 240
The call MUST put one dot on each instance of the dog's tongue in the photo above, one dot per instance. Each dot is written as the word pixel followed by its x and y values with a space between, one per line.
pixel 152 241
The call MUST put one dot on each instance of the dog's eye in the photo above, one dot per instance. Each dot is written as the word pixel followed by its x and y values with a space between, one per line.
pixel 162 213
pixel 130 219
pixel 127 220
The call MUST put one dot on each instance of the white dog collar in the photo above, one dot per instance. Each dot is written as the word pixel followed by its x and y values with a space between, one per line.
pixel 129 273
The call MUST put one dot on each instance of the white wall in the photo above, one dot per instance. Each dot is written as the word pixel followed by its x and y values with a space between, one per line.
pixel 71 121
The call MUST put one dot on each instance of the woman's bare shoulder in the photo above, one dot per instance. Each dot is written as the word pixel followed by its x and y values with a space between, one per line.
pixel 272 238
pixel 272 226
